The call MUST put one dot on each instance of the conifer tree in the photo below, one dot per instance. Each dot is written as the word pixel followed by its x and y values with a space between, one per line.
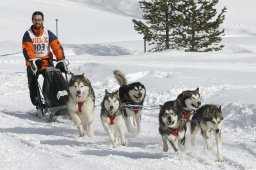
pixel 198 29
pixel 191 25
pixel 159 21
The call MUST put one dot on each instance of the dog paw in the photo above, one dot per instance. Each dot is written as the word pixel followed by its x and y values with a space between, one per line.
pixel 90 134
pixel 178 155
pixel 220 159
pixel 124 142
pixel 182 147
pixel 165 155
pixel 165 149
pixel 209 147
pixel 115 145
pixel 81 134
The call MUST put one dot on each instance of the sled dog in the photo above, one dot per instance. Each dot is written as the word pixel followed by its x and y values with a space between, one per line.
pixel 111 117
pixel 171 126
pixel 81 104
pixel 132 98
pixel 188 101
pixel 208 118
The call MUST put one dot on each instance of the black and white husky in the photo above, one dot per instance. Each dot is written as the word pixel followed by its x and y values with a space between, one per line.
pixel 132 98
pixel 112 119
pixel 207 119
pixel 171 126
pixel 188 101
pixel 81 104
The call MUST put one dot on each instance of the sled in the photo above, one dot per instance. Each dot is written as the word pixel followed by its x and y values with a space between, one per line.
pixel 54 94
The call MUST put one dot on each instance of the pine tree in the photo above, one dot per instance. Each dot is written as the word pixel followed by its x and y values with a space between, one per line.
pixel 198 29
pixel 160 20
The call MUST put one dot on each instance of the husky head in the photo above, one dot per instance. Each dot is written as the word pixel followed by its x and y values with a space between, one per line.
pixel 213 117
pixel 111 102
pixel 80 87
pixel 168 115
pixel 137 92
pixel 189 99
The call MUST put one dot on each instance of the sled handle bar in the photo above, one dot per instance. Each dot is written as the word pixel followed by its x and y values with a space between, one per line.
pixel 34 66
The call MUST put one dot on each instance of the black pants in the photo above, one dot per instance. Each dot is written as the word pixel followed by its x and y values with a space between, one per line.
pixel 33 87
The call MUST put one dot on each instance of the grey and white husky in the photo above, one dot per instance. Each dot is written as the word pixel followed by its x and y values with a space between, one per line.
pixel 171 126
pixel 81 104
pixel 132 98
pixel 207 119
pixel 111 118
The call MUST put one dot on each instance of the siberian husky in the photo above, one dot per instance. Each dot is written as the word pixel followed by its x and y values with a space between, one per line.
pixel 208 118
pixel 81 104
pixel 171 126
pixel 132 98
pixel 188 101
pixel 112 119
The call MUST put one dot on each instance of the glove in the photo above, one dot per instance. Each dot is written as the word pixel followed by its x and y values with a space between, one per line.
pixel 36 65
pixel 62 66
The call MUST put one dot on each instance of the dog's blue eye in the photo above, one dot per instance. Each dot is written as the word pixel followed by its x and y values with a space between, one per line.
pixel 75 86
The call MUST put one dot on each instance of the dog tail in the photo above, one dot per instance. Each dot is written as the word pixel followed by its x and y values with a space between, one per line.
pixel 120 77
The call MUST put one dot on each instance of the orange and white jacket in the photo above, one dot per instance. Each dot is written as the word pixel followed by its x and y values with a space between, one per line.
pixel 37 44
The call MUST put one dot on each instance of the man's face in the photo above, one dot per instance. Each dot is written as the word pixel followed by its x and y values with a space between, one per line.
pixel 38 22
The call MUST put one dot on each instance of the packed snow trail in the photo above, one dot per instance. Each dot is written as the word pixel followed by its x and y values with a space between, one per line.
pixel 54 145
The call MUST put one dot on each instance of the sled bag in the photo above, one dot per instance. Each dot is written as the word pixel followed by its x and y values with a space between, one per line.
pixel 55 88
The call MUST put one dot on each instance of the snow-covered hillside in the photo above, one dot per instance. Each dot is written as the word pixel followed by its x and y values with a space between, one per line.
pixel 99 38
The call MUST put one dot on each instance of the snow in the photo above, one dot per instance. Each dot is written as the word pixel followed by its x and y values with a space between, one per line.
pixel 98 38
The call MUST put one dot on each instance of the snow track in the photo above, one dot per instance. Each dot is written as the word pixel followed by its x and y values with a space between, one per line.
pixel 56 145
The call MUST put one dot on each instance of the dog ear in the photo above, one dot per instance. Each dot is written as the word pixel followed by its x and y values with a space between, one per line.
pixel 219 108
pixel 72 79
pixel 72 74
pixel 197 90
pixel 117 92
pixel 86 79
pixel 175 104
pixel 184 93
pixel 106 91
pixel 161 106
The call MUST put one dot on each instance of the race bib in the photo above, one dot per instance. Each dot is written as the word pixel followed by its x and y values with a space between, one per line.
pixel 41 44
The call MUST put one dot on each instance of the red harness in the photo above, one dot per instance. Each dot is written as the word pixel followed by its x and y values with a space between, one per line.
pixel 80 105
pixel 176 132
pixel 111 118
pixel 186 115
pixel 136 110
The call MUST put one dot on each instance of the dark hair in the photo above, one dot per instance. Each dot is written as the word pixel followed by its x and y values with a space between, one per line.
pixel 37 13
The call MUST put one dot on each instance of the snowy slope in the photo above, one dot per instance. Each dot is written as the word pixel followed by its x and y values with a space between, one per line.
pixel 225 78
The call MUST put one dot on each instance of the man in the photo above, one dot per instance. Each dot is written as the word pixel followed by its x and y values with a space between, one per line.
pixel 36 45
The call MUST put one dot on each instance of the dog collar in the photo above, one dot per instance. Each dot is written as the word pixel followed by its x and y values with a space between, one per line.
pixel 135 108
